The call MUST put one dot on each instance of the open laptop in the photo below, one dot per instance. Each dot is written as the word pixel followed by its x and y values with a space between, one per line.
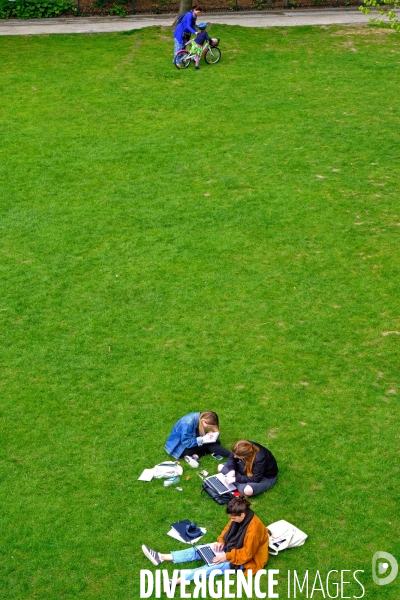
pixel 207 553
pixel 218 484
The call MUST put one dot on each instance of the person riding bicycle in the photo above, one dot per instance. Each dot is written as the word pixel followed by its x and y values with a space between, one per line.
pixel 197 43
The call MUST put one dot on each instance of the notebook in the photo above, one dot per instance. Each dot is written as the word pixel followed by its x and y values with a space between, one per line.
pixel 180 529
pixel 218 484
pixel 215 436
pixel 174 534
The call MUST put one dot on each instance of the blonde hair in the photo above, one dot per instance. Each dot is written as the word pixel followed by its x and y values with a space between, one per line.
pixel 209 417
pixel 246 451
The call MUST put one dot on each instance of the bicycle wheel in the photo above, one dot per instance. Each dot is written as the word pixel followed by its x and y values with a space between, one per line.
pixel 212 56
pixel 182 60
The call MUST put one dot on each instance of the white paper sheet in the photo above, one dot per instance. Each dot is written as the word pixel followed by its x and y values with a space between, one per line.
pixel 213 435
pixel 174 534
pixel 147 475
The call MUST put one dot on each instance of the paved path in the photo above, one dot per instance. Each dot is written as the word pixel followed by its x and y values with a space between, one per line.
pixel 108 24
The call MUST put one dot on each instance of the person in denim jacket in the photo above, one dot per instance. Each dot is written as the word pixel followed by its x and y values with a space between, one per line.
pixel 189 436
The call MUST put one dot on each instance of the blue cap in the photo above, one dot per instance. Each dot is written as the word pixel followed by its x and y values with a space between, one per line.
pixel 202 25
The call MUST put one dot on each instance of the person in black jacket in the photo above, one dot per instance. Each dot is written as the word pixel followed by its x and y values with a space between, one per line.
pixel 250 467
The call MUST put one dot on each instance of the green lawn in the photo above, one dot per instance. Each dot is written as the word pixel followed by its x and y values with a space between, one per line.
pixel 217 240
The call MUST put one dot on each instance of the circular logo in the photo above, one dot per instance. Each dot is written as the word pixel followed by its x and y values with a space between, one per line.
pixel 380 568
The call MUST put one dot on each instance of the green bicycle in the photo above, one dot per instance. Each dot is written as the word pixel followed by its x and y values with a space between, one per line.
pixel 211 54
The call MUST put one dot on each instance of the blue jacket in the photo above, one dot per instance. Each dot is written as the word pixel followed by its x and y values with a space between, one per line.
pixel 184 435
pixel 188 24
pixel 201 37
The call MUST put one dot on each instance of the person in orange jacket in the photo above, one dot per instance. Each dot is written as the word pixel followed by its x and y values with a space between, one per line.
pixel 243 544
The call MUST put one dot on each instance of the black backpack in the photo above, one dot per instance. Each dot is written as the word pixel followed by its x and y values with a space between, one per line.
pixel 218 498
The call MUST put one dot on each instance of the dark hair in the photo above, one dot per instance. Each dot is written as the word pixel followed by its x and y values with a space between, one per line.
pixel 237 506
pixel 197 7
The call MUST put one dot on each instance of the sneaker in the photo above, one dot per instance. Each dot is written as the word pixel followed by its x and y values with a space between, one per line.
pixel 192 462
pixel 197 68
pixel 152 555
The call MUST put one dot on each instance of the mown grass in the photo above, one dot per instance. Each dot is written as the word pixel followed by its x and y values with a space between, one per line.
pixel 217 240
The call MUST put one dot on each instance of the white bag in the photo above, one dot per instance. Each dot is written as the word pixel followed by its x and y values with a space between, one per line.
pixel 167 469
pixel 284 535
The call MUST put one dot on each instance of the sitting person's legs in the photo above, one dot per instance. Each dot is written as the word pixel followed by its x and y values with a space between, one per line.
pixel 183 556
pixel 216 448
pixel 253 488
pixel 199 451
pixel 194 451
